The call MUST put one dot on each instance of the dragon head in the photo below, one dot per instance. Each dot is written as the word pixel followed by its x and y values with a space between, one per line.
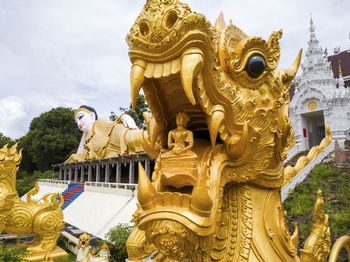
pixel 237 101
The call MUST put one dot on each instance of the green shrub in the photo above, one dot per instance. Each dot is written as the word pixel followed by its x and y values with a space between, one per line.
pixel 116 241
pixel 13 255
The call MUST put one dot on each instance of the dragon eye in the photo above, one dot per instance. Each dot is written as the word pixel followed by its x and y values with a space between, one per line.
pixel 255 66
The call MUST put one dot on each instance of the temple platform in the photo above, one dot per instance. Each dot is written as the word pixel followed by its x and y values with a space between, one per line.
pixel 99 208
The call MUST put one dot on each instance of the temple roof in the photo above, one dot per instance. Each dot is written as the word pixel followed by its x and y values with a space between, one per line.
pixel 344 58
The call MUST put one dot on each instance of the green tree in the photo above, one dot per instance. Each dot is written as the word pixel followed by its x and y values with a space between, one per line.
pixel 13 255
pixel 116 241
pixel 5 140
pixel 52 138
pixel 136 114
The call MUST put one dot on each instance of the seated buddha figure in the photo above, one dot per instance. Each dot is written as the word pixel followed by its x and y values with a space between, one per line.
pixel 104 138
pixel 179 164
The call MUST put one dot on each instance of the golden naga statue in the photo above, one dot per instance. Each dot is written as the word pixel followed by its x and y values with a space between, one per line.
pixel 43 217
pixel 103 138
pixel 290 172
pixel 227 85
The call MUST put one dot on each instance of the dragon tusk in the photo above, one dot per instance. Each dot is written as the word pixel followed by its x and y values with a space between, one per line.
pixel 145 190
pixel 213 122
pixel 191 64
pixel 136 79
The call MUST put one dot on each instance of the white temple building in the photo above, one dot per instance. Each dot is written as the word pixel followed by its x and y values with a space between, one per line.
pixel 320 96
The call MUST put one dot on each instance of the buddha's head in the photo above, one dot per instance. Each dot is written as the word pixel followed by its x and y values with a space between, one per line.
pixel 182 119
pixel 85 117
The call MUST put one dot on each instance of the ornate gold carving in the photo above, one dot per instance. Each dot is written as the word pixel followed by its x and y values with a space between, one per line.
pixel 312 105
pixel 43 217
pixel 85 254
pixel 317 245
pixel 215 189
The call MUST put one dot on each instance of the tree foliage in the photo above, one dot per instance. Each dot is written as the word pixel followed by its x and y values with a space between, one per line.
pixel 5 140
pixel 136 114
pixel 52 138
pixel 13 255
pixel 116 241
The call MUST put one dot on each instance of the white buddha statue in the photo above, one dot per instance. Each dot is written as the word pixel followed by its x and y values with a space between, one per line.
pixel 104 138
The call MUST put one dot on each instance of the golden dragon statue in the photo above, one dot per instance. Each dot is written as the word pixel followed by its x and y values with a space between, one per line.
pixel 43 217
pixel 219 132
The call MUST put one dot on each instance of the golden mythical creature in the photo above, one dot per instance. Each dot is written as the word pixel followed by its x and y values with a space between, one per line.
pixel 236 100
pixel 43 217
pixel 103 138
pixel 85 254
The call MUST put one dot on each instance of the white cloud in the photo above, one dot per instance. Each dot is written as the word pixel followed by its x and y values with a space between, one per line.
pixel 12 115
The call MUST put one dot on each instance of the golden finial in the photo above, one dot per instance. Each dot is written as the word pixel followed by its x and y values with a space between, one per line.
pixel 340 71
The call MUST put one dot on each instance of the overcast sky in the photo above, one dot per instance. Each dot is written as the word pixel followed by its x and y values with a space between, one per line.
pixel 71 52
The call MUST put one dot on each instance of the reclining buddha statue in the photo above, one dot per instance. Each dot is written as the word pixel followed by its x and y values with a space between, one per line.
pixel 104 138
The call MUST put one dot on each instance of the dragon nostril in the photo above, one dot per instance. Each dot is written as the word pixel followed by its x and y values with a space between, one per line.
pixel 171 19
pixel 144 28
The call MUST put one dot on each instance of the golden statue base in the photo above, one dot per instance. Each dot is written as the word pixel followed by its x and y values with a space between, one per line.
pixel 56 254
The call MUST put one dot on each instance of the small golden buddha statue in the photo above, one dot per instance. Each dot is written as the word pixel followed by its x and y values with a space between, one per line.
pixel 179 163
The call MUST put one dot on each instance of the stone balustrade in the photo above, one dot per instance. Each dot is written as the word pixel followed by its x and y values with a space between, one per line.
pixel 122 169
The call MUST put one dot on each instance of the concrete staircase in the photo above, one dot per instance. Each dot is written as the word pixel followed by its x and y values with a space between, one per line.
pixel 295 158
pixel 71 193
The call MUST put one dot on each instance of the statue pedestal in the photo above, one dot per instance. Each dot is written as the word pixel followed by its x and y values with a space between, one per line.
pixel 57 253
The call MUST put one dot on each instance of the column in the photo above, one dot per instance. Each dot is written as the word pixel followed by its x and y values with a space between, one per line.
pixel 65 173
pixel 117 172
pixel 89 173
pixel 147 167
pixel 60 173
pixel 82 173
pixel 131 172
pixel 107 173
pixel 97 173
pixel 76 174
pixel 70 173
